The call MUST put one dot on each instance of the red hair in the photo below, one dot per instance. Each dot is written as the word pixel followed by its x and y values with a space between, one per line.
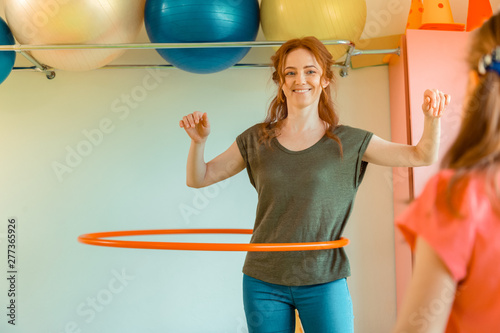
pixel 278 110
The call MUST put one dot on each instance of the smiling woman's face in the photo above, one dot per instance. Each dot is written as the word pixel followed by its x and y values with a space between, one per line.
pixel 303 83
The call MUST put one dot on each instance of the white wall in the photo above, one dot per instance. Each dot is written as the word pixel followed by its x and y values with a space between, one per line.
pixel 134 178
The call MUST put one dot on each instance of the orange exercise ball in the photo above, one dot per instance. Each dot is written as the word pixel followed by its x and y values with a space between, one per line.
pixel 324 19
pixel 49 22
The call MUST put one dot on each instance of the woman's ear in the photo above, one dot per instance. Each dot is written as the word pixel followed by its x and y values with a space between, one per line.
pixel 324 83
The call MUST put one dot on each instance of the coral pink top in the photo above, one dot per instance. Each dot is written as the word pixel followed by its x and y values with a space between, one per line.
pixel 468 246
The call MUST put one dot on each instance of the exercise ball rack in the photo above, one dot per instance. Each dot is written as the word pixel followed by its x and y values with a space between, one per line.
pixel 344 65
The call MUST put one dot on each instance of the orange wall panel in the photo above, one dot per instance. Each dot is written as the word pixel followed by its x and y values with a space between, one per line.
pixel 429 59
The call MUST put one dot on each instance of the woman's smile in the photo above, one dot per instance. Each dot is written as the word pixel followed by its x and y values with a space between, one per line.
pixel 301 90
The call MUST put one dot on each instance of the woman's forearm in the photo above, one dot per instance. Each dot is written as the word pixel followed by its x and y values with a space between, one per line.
pixel 427 148
pixel 196 169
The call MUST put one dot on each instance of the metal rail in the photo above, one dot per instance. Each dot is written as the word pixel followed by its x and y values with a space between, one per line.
pixel 21 47
pixel 50 72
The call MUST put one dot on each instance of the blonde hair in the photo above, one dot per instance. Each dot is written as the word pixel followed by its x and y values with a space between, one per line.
pixel 477 146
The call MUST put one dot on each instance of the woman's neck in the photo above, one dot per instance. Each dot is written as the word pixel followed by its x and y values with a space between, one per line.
pixel 299 120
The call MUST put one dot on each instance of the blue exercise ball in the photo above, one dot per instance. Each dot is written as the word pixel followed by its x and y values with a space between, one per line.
pixel 202 21
pixel 7 58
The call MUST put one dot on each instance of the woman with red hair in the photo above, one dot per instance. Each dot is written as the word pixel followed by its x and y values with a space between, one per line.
pixel 306 168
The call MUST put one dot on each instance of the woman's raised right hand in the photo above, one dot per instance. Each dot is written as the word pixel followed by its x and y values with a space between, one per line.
pixel 196 125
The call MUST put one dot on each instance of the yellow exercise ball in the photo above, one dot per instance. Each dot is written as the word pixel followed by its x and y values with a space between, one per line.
pixel 324 19
pixel 41 22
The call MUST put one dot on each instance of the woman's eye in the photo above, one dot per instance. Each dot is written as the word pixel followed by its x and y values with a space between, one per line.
pixel 311 72
pixel 290 73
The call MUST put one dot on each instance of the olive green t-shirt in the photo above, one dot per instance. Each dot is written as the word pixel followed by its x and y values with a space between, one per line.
pixel 303 196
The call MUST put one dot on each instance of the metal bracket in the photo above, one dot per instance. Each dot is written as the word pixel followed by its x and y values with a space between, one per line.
pixel 38 66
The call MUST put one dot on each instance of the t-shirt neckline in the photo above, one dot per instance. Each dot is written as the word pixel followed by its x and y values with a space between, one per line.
pixel 286 150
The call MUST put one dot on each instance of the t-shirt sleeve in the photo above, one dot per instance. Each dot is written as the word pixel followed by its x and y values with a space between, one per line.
pixel 451 234
pixel 245 142
pixel 360 164
pixel 242 146
pixel 354 143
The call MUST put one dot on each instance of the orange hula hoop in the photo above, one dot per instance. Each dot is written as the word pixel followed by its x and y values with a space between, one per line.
pixel 97 239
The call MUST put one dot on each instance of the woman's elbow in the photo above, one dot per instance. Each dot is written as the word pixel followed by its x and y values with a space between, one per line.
pixel 193 184
pixel 423 158
pixel 429 160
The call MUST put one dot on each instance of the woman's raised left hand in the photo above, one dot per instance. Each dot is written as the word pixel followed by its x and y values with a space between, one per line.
pixel 435 103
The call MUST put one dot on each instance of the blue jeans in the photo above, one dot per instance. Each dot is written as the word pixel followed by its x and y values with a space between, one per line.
pixel 323 308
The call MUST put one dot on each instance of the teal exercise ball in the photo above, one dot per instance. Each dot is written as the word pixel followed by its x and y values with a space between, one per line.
pixel 7 58
pixel 202 21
